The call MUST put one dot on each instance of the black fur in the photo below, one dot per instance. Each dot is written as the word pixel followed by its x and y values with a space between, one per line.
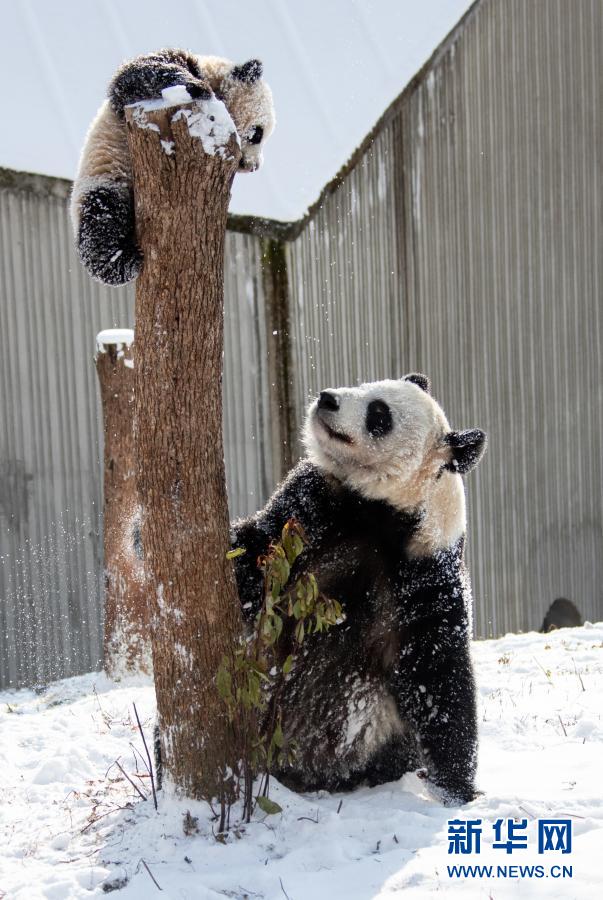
pixel 468 447
pixel 106 240
pixel 145 77
pixel 562 613
pixel 256 136
pixel 421 381
pixel 405 642
pixel 249 72
pixel 379 420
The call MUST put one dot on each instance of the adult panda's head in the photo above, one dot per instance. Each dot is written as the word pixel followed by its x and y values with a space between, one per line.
pixel 248 99
pixel 390 440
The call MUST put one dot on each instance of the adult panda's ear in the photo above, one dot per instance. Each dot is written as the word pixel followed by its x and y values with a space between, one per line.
pixel 467 448
pixel 421 381
pixel 248 72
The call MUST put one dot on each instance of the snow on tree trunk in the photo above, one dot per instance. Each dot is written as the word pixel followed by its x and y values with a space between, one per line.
pixel 184 161
pixel 126 639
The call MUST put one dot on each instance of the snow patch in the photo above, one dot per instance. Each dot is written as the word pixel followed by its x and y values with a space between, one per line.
pixel 140 114
pixel 175 95
pixel 70 822
pixel 209 121
pixel 111 337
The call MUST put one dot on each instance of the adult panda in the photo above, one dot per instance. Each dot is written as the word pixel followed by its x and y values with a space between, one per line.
pixel 102 202
pixel 381 498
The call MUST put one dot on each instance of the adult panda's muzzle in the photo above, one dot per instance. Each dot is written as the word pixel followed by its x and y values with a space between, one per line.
pixel 326 409
pixel 327 400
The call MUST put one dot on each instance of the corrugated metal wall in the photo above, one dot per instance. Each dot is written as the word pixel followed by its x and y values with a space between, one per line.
pixel 50 488
pixel 251 471
pixel 465 243
pixel 347 283
pixel 50 430
pixel 505 268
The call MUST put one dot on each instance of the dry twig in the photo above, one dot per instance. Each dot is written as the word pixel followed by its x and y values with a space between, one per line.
pixel 157 885
pixel 150 764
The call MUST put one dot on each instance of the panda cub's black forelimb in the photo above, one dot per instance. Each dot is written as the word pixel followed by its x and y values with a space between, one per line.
pixel 145 77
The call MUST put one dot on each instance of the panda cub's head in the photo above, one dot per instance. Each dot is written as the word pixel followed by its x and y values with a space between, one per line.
pixel 249 101
pixel 390 440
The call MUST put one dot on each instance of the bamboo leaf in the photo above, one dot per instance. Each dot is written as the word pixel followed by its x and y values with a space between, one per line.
pixel 224 683
pixel 288 665
pixel 278 736
pixel 237 551
pixel 278 626
pixel 268 806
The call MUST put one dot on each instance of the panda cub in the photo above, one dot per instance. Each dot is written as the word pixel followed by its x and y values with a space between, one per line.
pixel 382 501
pixel 102 202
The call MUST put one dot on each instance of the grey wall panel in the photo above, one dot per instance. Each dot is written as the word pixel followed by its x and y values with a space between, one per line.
pixel 50 611
pixel 250 471
pixel 345 282
pixel 502 182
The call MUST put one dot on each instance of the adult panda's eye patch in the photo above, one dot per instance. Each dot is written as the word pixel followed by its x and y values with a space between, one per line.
pixel 379 420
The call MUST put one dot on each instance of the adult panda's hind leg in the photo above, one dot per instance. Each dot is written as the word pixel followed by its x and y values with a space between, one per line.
pixel 394 758
pixel 106 239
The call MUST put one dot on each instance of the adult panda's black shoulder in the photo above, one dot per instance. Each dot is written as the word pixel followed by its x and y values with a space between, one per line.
pixel 381 498
pixel 102 207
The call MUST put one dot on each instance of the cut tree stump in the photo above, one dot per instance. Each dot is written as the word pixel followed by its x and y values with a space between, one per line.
pixel 127 647
pixel 184 162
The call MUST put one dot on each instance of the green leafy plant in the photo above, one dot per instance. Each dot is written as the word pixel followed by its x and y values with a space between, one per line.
pixel 252 683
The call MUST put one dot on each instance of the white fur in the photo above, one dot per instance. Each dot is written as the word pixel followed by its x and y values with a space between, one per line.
pixel 372 718
pixel 404 467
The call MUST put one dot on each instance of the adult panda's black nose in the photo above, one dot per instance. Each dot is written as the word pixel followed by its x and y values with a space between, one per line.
pixel 327 400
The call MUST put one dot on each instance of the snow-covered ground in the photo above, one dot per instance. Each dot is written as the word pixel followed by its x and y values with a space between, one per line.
pixel 70 823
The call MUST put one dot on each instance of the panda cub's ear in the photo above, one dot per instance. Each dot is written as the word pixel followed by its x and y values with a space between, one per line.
pixel 248 72
pixel 421 381
pixel 467 447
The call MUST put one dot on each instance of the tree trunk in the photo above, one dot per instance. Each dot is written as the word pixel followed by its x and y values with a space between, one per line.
pixel 182 193
pixel 127 647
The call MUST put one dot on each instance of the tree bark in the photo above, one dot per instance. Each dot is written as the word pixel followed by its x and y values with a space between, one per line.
pixel 126 635
pixel 181 199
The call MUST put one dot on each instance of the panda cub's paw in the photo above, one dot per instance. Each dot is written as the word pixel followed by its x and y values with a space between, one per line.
pixel 145 78
pixel 106 239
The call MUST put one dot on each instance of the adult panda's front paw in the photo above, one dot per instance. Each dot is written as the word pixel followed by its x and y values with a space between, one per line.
pixel 455 794
pixel 450 792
